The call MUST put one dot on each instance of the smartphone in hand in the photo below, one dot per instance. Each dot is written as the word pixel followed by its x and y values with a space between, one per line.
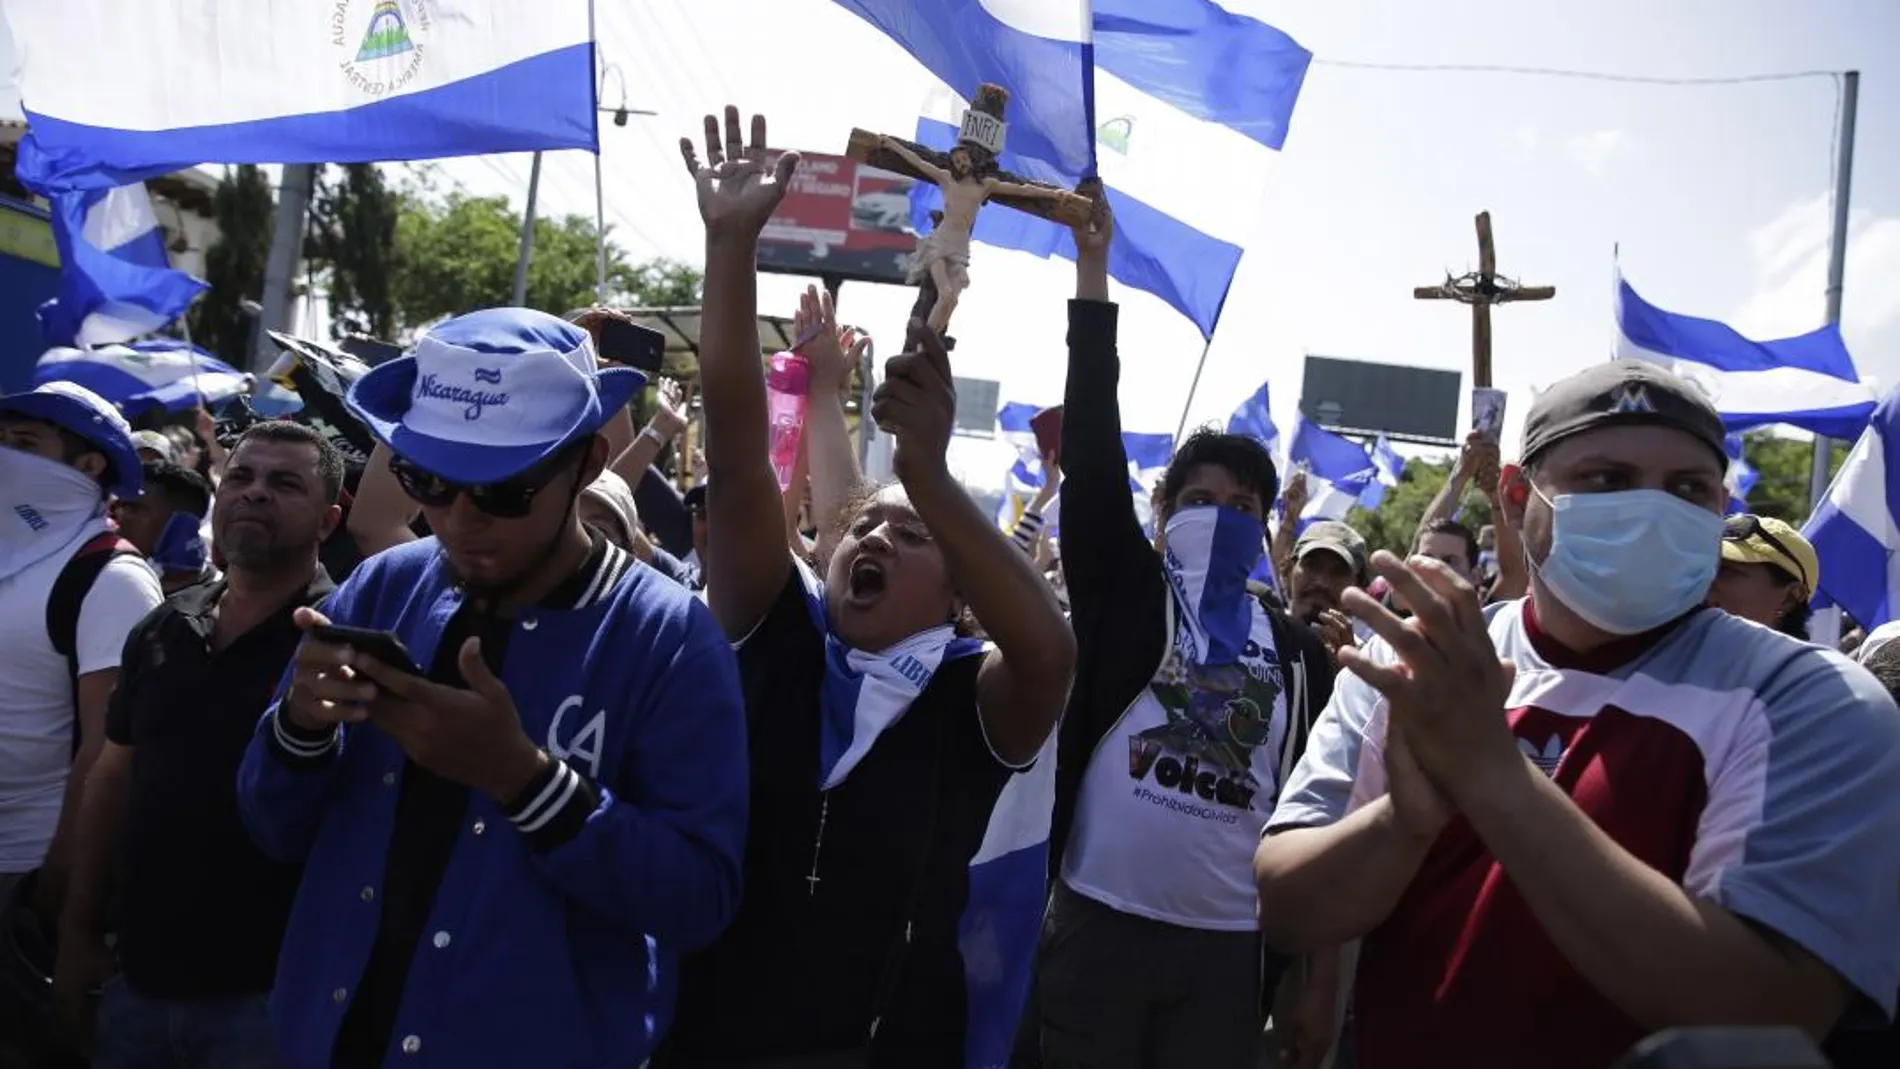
pixel 630 344
pixel 385 646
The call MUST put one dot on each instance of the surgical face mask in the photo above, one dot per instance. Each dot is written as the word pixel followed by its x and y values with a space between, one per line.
pixel 1211 550
pixel 1632 560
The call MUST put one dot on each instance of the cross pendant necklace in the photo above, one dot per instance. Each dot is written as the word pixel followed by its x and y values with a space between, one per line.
pixel 818 844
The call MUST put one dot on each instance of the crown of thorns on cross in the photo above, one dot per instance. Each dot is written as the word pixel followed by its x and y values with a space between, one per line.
pixel 1474 287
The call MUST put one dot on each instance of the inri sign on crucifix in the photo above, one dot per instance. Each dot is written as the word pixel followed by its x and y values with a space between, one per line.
pixel 1481 289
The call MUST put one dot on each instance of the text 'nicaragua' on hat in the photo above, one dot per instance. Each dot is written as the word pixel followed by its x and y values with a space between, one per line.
pixel 491 394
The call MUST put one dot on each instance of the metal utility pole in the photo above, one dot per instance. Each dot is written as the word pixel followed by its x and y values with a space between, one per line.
pixel 1825 626
pixel 526 256
pixel 280 270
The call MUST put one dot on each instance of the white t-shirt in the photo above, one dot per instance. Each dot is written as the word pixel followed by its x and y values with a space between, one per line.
pixel 36 694
pixel 1174 797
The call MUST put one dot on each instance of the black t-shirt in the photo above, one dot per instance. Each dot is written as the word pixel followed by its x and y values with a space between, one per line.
pixel 802 967
pixel 200 910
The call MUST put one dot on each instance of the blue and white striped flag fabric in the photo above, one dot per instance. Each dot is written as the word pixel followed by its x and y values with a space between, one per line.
pixel 1853 531
pixel 1123 89
pixel 118 91
pixel 1807 381
pixel 1741 477
pixel 1254 418
pixel 116 280
pixel 864 695
pixel 1148 456
pixel 1388 468
pixel 159 373
pixel 1337 472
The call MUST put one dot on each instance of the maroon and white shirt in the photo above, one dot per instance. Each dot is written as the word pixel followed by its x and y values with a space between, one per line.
pixel 1760 773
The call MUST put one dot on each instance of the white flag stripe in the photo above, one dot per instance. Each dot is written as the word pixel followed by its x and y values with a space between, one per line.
pixel 299 62
pixel 1057 20
pixel 1163 144
pixel 1781 389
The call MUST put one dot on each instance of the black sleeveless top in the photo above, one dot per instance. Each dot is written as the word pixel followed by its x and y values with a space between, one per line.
pixel 818 947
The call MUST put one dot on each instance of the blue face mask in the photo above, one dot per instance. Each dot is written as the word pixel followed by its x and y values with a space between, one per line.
pixel 181 548
pixel 1632 560
pixel 1211 549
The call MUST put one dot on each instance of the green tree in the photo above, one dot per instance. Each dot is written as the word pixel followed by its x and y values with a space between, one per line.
pixel 1392 525
pixel 353 241
pixel 1784 464
pixel 458 254
pixel 234 266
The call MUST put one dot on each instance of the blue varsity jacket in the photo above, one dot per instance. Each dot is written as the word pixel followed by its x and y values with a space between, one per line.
pixel 556 929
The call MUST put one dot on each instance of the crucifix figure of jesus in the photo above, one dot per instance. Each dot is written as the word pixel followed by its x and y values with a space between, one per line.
pixel 1481 289
pixel 969 178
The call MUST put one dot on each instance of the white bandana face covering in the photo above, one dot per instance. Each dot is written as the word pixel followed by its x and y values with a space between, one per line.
pixel 44 505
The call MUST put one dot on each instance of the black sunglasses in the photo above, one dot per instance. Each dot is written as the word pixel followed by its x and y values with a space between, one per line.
pixel 508 500
pixel 1741 528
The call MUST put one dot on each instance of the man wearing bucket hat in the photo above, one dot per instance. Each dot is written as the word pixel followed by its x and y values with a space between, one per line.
pixel 72 593
pixel 508 842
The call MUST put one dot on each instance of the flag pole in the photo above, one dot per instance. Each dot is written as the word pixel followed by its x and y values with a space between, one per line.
pixel 526 256
pixel 1181 427
pixel 1825 625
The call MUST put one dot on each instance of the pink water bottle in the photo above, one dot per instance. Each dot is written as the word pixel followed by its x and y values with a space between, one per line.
pixel 787 394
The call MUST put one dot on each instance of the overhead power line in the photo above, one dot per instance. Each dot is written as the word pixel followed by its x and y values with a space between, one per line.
pixel 1554 72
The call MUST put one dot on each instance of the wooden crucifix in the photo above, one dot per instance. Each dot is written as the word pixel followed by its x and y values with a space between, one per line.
pixel 969 178
pixel 1481 289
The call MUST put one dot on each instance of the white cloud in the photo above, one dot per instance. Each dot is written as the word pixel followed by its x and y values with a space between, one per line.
pixel 1790 254
pixel 1592 151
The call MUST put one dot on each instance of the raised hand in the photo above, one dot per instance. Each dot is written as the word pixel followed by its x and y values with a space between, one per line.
pixel 1095 236
pixel 739 184
pixel 917 405
pixel 833 351
pixel 669 409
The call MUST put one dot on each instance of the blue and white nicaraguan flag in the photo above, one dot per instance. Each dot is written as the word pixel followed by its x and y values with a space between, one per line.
pixel 1337 472
pixel 1388 468
pixel 116 279
pixel 159 373
pixel 1807 381
pixel 1127 90
pixel 117 91
pixel 1254 418
pixel 1148 456
pixel 1854 531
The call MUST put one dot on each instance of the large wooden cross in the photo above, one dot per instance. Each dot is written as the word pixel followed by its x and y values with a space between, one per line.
pixel 1481 289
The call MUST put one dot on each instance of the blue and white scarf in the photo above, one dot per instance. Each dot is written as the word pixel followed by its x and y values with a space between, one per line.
pixel 45 508
pixel 1211 550
pixel 864 694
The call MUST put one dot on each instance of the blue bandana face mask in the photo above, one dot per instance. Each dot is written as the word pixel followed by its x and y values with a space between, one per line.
pixel 1211 550
pixel 1630 561
pixel 181 546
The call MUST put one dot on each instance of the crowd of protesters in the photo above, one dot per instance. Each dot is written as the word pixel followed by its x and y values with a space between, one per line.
pixel 498 750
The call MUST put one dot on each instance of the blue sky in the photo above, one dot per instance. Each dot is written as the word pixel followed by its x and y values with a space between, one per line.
pixel 1718 195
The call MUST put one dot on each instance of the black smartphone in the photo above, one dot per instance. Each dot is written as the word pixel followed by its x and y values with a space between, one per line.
pixel 382 645
pixel 637 347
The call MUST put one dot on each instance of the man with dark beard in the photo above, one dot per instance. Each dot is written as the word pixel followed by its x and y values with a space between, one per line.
pixel 508 839
pixel 200 910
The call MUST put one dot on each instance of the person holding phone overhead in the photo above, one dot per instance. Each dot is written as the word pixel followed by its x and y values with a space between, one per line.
pixel 507 840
